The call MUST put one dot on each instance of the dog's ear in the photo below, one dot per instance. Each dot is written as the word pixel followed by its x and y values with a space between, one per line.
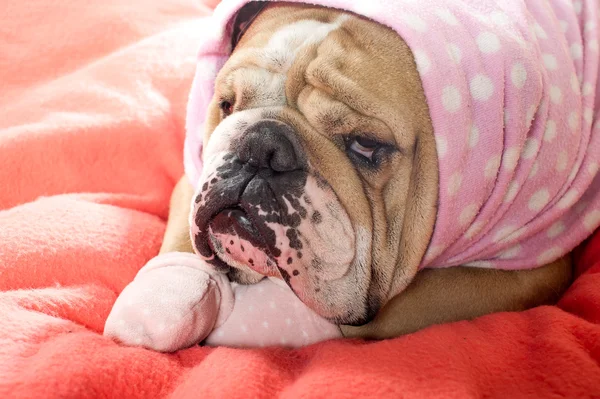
pixel 244 19
pixel 420 212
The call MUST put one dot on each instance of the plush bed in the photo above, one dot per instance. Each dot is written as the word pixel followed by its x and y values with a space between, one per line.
pixel 92 110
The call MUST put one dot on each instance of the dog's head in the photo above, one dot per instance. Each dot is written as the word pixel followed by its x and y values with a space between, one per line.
pixel 314 170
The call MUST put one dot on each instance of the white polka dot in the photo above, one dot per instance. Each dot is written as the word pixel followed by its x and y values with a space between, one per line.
pixel 564 26
pixel 265 324
pixel 491 167
pixel 593 168
pixel 593 44
pixel 282 341
pixel 442 146
pixel 422 60
pixel 572 175
pixel 549 256
pixel 521 42
pixel 481 87
pixel 304 334
pixel 446 16
pixel 454 52
pixel 576 51
pixel 516 235
pixel 555 94
pixel 539 31
pixel 538 201
pixel 503 233
pixel 511 193
pixel 561 161
pixel 482 264
pixel 250 308
pixel 506 116
pixel 433 252
pixel 568 199
pixel 575 84
pixel 534 170
pixel 367 8
pixel 499 18
pixel 414 22
pixel 587 89
pixel 573 120
pixel 220 333
pixel 510 253
pixel 474 229
pixel 510 159
pixel 244 328
pixel 550 132
pixel 556 229
pixel 454 184
pixel 577 6
pixel 588 114
pixel 272 305
pixel 451 99
pixel 518 75
pixel 530 115
pixel 138 341
pixel 261 289
pixel 468 214
pixel 288 322
pixel 589 25
pixel 591 220
pixel 550 62
pixel 488 42
pixel 531 148
pixel 473 136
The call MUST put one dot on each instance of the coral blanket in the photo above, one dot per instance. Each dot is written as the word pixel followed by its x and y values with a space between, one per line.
pixel 92 111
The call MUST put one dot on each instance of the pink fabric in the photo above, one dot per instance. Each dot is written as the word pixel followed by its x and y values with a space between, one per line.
pixel 65 257
pixel 511 88
pixel 177 300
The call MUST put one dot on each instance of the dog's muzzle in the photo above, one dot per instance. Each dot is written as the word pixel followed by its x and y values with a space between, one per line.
pixel 251 193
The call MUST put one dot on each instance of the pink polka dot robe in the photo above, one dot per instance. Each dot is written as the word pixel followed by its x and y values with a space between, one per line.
pixel 511 87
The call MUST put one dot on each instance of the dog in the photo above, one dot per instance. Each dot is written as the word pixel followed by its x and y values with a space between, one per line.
pixel 321 166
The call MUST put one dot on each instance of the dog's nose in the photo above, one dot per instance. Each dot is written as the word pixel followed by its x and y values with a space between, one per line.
pixel 267 144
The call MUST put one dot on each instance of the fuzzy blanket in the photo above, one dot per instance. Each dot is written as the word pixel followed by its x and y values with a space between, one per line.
pixel 91 136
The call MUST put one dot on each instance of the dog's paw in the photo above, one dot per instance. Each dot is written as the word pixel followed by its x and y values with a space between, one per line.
pixel 166 308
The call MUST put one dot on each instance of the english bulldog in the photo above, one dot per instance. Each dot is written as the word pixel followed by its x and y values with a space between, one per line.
pixel 397 165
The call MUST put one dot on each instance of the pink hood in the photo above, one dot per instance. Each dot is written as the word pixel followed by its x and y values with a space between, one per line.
pixel 511 87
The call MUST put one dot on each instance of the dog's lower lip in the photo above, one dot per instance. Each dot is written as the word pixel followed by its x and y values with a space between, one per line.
pixel 233 219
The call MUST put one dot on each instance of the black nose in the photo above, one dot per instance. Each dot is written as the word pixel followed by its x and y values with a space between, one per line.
pixel 267 144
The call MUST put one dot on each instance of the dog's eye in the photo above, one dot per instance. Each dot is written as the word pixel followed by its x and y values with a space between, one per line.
pixel 226 107
pixel 364 147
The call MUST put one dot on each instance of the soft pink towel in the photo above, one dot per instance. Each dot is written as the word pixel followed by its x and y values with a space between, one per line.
pixel 178 300
pixel 511 88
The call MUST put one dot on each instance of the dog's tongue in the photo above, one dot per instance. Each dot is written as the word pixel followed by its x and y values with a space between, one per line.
pixel 237 242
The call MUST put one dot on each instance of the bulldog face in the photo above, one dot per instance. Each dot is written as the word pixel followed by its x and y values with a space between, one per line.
pixel 319 162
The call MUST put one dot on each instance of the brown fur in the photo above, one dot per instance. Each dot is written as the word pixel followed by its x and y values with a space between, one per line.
pixel 397 203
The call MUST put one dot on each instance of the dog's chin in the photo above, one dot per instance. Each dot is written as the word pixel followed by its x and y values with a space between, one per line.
pixel 235 240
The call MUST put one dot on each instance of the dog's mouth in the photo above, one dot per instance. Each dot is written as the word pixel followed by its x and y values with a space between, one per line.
pixel 236 239
pixel 241 211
